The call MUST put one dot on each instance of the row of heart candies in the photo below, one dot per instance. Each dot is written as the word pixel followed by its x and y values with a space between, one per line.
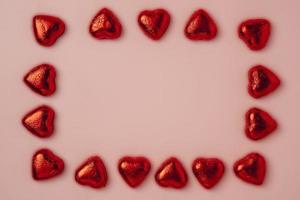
pixel 154 23
pixel 261 82
pixel 134 170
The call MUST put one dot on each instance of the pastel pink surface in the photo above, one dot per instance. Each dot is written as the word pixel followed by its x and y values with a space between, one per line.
pixel 158 99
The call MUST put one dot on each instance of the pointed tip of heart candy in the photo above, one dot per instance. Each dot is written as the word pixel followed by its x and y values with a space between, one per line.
pixel 46 165
pixel 171 174
pixel 251 168
pixel 105 25
pixel 201 26
pixel 154 23
pixel 47 29
pixel 259 124
pixel 134 170
pixel 208 171
pixel 40 121
pixel 41 79
pixel 255 33
pixel 262 81
pixel 92 173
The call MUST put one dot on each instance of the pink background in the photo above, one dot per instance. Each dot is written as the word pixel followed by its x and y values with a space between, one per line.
pixel 134 96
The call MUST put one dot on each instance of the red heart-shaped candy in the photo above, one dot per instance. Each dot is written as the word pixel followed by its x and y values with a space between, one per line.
pixel 171 174
pixel 154 23
pixel 105 25
pixel 45 164
pixel 92 173
pixel 208 171
pixel 200 26
pixel 255 33
pixel 259 124
pixel 251 168
pixel 262 81
pixel 47 29
pixel 134 170
pixel 40 121
pixel 41 79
